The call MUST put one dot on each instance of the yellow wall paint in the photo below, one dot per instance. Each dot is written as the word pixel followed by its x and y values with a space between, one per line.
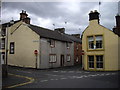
pixel 110 41
pixel 25 45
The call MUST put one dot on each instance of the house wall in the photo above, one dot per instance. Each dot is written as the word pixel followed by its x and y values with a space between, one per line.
pixel 26 41
pixel 110 43
pixel 59 49
pixel 77 54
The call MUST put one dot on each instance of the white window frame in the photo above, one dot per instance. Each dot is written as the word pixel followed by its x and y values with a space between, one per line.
pixel 52 58
pixel 93 40
pixel 3 43
pixel 68 58
pixel 67 45
pixel 99 39
pixel 91 62
pixel 52 43
pixel 2 58
pixel 99 61
pixel 90 41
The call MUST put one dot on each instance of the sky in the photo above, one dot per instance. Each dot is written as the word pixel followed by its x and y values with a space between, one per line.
pixel 45 14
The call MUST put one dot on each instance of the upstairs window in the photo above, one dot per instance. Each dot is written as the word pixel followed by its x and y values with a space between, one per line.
pixel 3 32
pixel 12 48
pixel 2 45
pixel 98 42
pixel 67 45
pixel 95 42
pixel 52 43
pixel 91 42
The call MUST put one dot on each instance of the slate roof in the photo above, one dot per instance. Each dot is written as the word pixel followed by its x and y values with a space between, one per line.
pixel 8 23
pixel 47 33
pixel 73 38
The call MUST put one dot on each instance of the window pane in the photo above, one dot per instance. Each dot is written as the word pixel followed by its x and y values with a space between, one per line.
pixel 52 58
pixel 98 41
pixel 91 61
pixel 12 47
pixel 99 61
pixel 91 42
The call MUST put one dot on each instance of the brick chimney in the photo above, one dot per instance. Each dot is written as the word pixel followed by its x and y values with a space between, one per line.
pixel 61 30
pixel 76 35
pixel 94 15
pixel 116 29
pixel 118 20
pixel 24 17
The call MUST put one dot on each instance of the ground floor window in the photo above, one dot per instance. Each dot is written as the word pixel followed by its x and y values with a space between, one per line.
pixel 99 61
pixel 52 58
pixel 95 61
pixel 68 58
pixel 91 61
pixel 2 58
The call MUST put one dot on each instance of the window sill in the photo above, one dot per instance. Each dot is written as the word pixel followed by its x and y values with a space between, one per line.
pixel 52 46
pixel 95 49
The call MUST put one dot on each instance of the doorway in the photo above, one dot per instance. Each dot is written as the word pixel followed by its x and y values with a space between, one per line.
pixel 62 60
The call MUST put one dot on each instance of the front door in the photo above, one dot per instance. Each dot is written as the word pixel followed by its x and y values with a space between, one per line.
pixel 62 60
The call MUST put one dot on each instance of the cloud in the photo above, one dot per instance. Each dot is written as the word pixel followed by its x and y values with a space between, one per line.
pixel 46 14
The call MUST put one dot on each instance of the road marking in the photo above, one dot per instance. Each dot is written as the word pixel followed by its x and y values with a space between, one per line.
pixel 113 73
pixel 63 71
pixel 43 80
pixel 86 72
pixel 21 84
pixel 51 79
pixel 63 78
pixel 70 71
pixel 80 77
pixel 107 74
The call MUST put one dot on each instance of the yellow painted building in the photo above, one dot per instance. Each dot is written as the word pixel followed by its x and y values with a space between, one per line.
pixel 100 46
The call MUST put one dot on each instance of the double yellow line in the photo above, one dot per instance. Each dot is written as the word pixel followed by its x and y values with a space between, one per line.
pixel 21 84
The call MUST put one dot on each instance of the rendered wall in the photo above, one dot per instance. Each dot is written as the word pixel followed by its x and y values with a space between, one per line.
pixel 59 49
pixel 26 41
pixel 110 41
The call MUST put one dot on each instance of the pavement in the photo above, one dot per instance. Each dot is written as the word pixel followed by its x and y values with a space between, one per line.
pixel 65 77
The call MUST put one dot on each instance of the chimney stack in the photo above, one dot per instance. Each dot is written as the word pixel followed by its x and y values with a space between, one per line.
pixel 24 17
pixel 116 29
pixel 76 35
pixel 117 21
pixel 61 30
pixel 94 15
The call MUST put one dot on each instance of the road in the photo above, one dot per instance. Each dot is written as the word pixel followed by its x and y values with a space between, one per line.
pixel 67 77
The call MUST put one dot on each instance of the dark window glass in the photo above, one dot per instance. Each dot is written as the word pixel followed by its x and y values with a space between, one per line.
pixel 12 47
pixel 99 61
pixel 91 61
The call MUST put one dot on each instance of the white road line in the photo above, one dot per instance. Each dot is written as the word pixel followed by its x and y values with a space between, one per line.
pixel 85 76
pixel 113 73
pixel 107 74
pixel 43 80
pixel 80 77
pixel 63 78
pixel 70 71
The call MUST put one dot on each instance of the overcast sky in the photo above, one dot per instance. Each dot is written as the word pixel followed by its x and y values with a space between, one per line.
pixel 45 14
